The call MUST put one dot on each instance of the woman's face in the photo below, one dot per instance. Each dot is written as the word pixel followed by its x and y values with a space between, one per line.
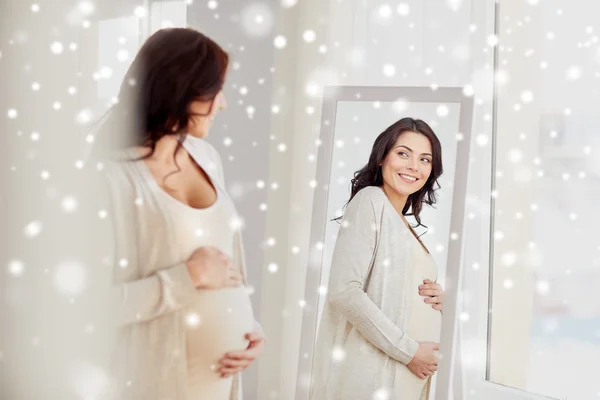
pixel 407 166
pixel 200 123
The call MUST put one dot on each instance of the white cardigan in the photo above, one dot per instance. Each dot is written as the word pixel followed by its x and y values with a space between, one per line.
pixel 362 339
pixel 148 294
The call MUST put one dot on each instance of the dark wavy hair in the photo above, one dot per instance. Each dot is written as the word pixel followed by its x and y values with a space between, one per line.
pixel 371 175
pixel 173 68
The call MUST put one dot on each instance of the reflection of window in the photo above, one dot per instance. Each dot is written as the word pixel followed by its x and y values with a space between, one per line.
pixel 118 42
pixel 167 14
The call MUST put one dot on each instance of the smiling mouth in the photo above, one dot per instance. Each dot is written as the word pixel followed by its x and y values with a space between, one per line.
pixel 408 178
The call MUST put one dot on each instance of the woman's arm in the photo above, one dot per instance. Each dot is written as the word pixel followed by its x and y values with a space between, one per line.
pixel 142 299
pixel 352 258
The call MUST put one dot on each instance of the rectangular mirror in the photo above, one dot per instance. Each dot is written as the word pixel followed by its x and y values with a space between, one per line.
pixel 352 118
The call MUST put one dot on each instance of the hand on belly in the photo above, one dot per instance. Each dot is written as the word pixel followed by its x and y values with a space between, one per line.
pixel 217 322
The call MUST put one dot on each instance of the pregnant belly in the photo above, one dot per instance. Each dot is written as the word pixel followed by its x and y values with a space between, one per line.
pixel 217 321
pixel 426 323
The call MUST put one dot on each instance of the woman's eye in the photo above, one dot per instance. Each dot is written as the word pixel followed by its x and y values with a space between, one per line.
pixel 426 160
pixel 403 154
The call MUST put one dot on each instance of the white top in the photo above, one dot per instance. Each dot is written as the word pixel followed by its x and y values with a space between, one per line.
pixel 216 320
pixel 373 316
pixel 152 287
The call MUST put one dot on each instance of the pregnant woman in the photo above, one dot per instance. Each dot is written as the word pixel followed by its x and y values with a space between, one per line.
pixel 380 328
pixel 186 322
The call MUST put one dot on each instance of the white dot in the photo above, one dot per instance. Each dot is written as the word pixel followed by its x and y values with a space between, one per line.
pixel 313 89
pixel 105 72
pixel 475 266
pixel 282 147
pixel 35 7
pixel 389 70
pixel 35 86
pixel 295 249
pixel 573 73
pixel 16 268
pixel 442 110
pixel 140 12
pixel 57 106
pixel 227 141
pixel 12 113
pixel 86 24
pixel 313 183
pixel 102 214
pixel 84 116
pixel 385 10
pixel 271 242
pixel 400 105
pixel 482 140
pixel 122 55
pixel 468 91
pixel 192 320
pixel 464 316
pixel 309 36
pixel 32 229
pixel 403 9
pixel 70 278
pixel 45 175
pixel 543 287
pixel 57 47
pixel 199 232
pixel 86 7
pixel 322 49
pixel 526 96
pixel 280 42
pixel 273 268
pixel 275 109
pixel 302 303
pixel 262 207
pixel 338 353
pixel 515 156
pixel 69 204
pixel 508 284
pixel 89 329
pixel 381 394
pixel 310 110
pixel 212 4
pixel 572 216
pixel 492 40
pixel 79 164
pixel 509 259
pixel 243 90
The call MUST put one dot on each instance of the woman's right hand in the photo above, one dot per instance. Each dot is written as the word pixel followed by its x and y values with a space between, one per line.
pixel 210 268
pixel 425 362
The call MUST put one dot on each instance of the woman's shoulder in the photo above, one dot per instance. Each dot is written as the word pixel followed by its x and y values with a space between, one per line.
pixel 370 194
pixel 367 203
pixel 200 148
pixel 205 154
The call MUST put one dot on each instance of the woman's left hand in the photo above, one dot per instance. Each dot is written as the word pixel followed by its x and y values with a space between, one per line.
pixel 434 294
pixel 237 361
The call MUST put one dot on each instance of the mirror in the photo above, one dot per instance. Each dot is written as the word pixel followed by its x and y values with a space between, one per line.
pixel 352 118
